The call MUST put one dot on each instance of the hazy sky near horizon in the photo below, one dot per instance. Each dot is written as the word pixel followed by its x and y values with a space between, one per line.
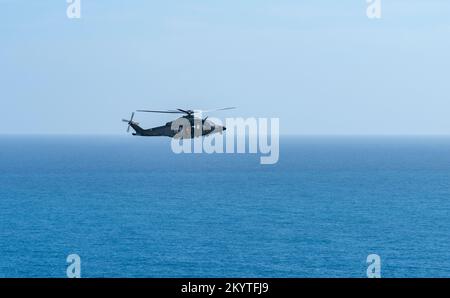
pixel 322 67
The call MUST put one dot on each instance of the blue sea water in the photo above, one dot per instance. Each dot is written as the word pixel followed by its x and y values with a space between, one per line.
pixel 132 208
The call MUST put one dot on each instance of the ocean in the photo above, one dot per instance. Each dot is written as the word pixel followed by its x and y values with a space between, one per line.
pixel 129 207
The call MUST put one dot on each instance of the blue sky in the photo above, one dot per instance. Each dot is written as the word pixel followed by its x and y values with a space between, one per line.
pixel 322 67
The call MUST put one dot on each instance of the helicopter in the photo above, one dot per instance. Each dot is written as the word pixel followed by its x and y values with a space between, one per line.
pixel 185 127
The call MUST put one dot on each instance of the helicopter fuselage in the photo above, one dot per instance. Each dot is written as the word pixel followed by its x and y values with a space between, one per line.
pixel 185 127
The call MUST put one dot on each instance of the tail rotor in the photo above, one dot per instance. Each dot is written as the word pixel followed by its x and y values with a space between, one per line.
pixel 129 122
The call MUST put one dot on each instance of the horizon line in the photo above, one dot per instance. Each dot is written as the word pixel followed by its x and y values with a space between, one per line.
pixel 281 135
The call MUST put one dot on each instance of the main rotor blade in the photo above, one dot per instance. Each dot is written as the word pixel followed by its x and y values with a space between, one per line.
pixel 166 112
pixel 189 112
pixel 221 109
pixel 186 111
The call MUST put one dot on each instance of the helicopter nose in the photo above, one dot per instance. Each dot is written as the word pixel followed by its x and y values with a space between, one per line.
pixel 224 128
